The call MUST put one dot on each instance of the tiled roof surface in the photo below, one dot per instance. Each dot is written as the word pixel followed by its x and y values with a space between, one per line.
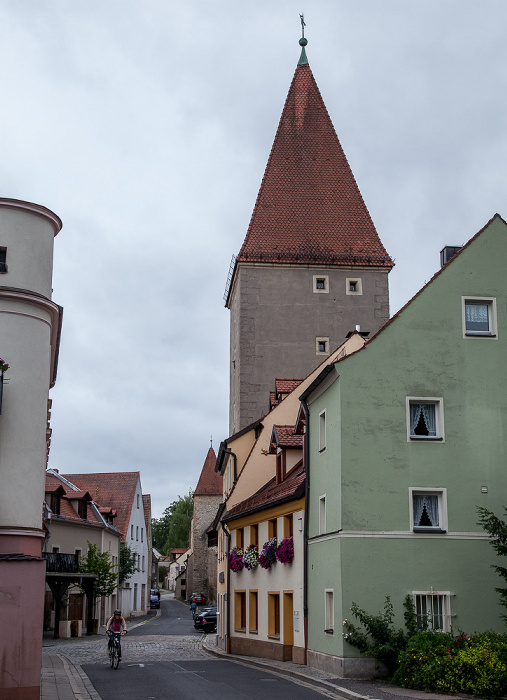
pixel 271 494
pixel 285 386
pixel 178 550
pixel 67 510
pixel 210 481
pixel 114 489
pixel 285 437
pixel 309 208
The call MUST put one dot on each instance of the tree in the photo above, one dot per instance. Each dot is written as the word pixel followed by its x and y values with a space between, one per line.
pixel 172 529
pixel 497 529
pixel 97 562
pixel 128 563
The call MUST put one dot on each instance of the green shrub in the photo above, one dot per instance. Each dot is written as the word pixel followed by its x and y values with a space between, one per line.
pixel 439 661
pixel 381 639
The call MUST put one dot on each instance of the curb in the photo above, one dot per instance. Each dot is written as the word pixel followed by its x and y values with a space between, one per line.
pixel 301 677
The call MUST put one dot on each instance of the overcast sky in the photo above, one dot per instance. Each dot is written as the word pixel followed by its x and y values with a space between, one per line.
pixel 146 126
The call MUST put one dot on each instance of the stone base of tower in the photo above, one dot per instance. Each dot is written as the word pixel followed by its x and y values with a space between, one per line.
pixel 22 580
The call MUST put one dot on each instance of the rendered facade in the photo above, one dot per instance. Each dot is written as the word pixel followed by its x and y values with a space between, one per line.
pixel 406 440
pixel 312 266
pixel 30 326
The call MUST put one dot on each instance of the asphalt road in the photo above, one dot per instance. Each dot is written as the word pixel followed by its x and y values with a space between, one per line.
pixel 155 671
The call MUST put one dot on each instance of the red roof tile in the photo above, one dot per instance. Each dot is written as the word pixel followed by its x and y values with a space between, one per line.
pixel 116 489
pixel 210 481
pixel 309 208
pixel 285 386
pixel 271 494
pixel 284 436
pixel 147 510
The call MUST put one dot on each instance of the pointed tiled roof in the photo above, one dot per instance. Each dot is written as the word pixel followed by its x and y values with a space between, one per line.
pixel 309 208
pixel 210 481
pixel 113 489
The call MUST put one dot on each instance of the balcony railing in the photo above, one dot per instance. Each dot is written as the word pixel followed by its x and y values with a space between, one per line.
pixel 61 563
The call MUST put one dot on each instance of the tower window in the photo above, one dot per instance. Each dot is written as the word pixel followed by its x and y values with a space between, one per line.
pixel 353 286
pixel 322 346
pixel 321 284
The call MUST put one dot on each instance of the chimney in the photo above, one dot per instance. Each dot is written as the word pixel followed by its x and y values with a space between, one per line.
pixel 447 253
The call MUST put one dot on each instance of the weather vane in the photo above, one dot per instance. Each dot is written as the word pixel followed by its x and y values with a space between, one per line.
pixel 303 25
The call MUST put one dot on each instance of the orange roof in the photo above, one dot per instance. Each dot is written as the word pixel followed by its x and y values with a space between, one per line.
pixel 114 489
pixel 284 436
pixel 210 481
pixel 309 208
pixel 285 386
pixel 147 510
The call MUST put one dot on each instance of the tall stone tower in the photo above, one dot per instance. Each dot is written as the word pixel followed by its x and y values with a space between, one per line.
pixel 312 266
pixel 30 324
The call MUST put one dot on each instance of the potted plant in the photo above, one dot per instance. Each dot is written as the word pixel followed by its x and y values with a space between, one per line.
pixel 236 560
pixel 285 551
pixel 268 555
pixel 251 557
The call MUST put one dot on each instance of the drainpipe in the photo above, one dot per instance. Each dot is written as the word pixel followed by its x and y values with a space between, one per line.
pixel 233 455
pixel 228 594
pixel 306 457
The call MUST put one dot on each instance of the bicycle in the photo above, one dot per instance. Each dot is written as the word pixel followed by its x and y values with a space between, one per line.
pixel 114 649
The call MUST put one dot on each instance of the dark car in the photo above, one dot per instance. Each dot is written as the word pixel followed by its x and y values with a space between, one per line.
pixel 198 598
pixel 155 592
pixel 154 601
pixel 206 620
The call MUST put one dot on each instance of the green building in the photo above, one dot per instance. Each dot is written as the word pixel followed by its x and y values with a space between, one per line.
pixel 406 437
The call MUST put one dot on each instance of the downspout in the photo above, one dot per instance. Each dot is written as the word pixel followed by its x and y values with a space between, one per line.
pixel 233 455
pixel 306 456
pixel 228 594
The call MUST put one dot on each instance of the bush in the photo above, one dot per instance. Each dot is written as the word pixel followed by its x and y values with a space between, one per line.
pixel 381 639
pixel 438 661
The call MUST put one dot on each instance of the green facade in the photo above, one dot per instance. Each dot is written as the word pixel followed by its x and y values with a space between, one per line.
pixel 370 463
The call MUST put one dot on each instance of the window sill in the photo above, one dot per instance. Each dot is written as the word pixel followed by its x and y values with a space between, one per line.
pixel 425 438
pixel 240 629
pixel 274 636
pixel 479 334
pixel 253 631
pixel 436 530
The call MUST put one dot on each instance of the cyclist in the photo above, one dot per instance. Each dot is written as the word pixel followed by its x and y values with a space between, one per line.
pixel 115 625
pixel 193 608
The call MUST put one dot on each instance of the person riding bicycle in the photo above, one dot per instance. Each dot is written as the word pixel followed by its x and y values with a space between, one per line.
pixel 115 625
pixel 193 608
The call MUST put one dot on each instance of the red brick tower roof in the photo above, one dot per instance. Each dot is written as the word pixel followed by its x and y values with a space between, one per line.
pixel 210 481
pixel 309 208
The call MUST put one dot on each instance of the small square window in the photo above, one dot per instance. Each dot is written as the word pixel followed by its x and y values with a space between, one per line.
pixel 321 284
pixel 322 346
pixel 428 510
pixel 479 316
pixel 353 286
pixel 425 419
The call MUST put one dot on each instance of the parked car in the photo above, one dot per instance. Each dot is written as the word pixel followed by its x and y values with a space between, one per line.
pixel 154 601
pixel 206 620
pixel 198 598
pixel 155 591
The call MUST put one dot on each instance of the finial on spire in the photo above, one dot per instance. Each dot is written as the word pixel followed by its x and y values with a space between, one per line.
pixel 211 440
pixel 303 61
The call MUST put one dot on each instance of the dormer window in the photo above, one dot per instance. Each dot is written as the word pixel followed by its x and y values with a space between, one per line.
pixel 53 501
pixel 82 509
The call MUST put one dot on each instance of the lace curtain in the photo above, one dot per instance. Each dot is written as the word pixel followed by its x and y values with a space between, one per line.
pixel 429 415
pixel 476 313
pixel 431 504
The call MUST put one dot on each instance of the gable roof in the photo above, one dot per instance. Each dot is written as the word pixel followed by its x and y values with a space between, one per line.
pixel 114 489
pixel 283 436
pixel 309 208
pixel 57 484
pixel 271 494
pixel 210 481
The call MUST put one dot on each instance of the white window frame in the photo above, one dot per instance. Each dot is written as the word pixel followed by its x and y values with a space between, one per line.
pixel 490 302
pixel 318 351
pixel 329 610
pixel 323 278
pixel 322 431
pixel 322 514
pixel 441 493
pixel 429 597
pixel 359 286
pixel 438 402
